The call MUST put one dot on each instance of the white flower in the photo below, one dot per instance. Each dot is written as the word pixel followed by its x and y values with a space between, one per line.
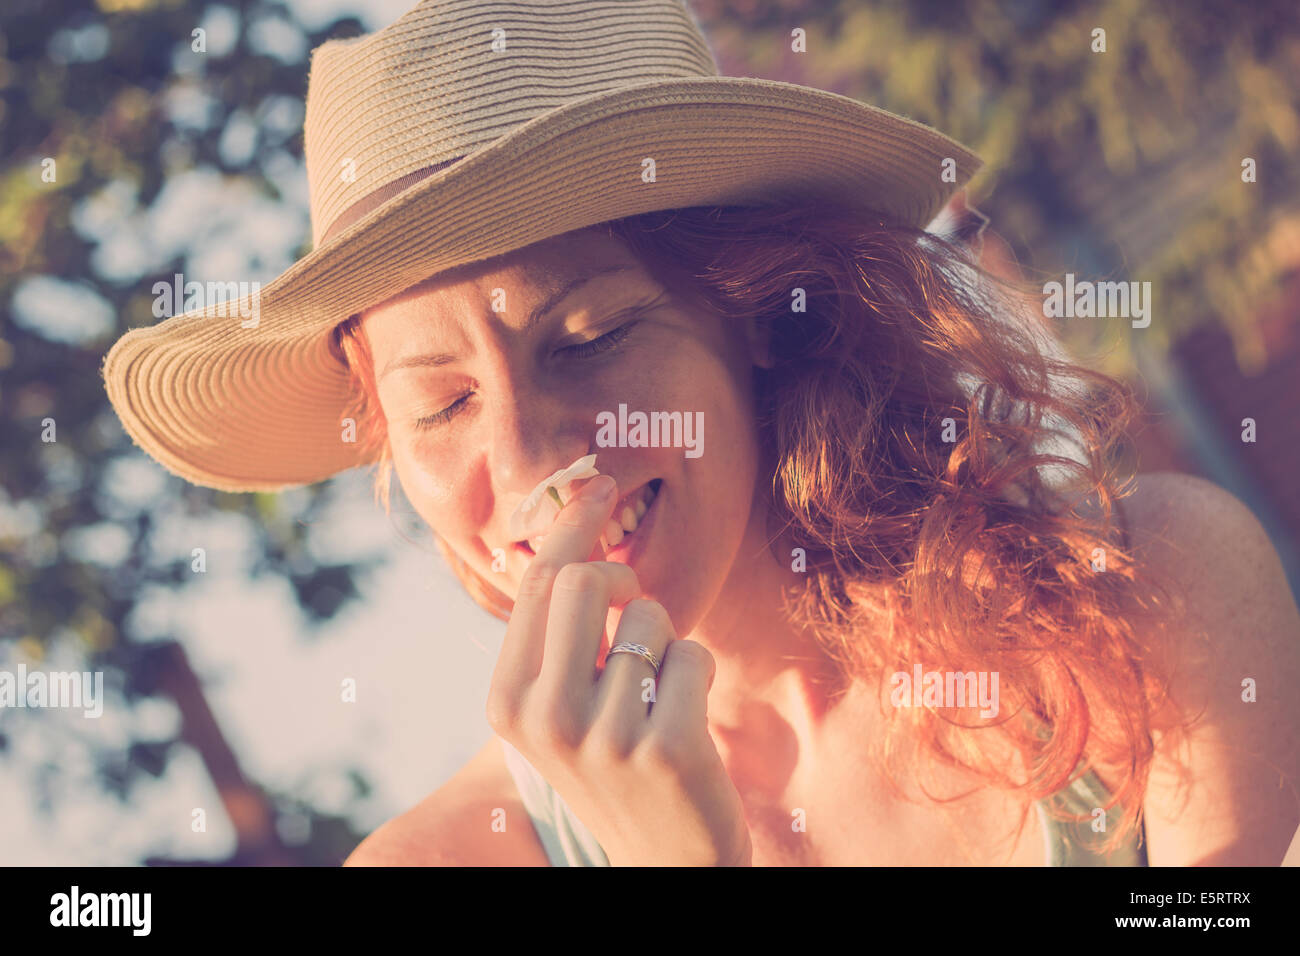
pixel 536 512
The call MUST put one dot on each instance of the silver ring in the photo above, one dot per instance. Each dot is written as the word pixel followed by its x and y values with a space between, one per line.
pixel 640 650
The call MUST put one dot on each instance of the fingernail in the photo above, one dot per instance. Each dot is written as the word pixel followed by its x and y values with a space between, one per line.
pixel 600 488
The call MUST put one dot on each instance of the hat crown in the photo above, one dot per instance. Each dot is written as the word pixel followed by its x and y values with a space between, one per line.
pixel 452 76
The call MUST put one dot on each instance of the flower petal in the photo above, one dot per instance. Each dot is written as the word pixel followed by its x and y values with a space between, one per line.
pixel 537 512
pixel 584 467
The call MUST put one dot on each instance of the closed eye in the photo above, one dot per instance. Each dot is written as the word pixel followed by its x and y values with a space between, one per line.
pixel 439 418
pixel 604 343
pixel 610 340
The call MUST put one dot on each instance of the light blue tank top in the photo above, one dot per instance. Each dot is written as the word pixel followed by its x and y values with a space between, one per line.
pixel 568 843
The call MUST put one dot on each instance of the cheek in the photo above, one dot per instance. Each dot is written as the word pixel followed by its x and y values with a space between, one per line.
pixel 711 377
pixel 728 468
pixel 721 385
pixel 700 367
pixel 441 493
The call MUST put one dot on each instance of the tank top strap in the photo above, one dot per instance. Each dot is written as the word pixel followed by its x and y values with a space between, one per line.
pixel 565 839
pixel 1076 842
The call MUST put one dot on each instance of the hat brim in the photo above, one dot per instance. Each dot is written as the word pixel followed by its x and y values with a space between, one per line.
pixel 260 408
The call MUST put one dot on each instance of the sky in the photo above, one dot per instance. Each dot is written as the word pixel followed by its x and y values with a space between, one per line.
pixel 420 651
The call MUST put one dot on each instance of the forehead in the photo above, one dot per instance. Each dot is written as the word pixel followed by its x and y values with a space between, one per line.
pixel 531 274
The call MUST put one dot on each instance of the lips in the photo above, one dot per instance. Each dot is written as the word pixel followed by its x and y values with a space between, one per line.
pixel 626 518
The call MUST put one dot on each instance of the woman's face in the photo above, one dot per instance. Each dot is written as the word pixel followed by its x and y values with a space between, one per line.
pixel 494 376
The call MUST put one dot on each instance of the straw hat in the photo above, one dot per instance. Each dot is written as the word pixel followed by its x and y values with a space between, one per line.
pixel 463 131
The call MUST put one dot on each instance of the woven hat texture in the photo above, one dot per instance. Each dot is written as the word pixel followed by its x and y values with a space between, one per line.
pixel 465 130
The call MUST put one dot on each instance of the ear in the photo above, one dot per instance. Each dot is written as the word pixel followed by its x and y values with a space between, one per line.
pixel 759 338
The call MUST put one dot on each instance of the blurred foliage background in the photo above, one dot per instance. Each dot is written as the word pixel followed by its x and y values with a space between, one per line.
pixel 1118 164
pixel 1127 160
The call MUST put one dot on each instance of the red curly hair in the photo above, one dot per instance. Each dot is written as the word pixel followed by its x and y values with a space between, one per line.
pixel 931 460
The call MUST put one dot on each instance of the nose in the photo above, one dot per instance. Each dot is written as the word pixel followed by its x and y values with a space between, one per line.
pixel 534 434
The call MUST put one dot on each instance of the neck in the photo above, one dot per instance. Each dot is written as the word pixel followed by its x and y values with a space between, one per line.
pixel 775 687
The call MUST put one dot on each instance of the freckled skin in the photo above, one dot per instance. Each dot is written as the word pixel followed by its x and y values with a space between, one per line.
pixel 785 741
pixel 533 411
pixel 711 559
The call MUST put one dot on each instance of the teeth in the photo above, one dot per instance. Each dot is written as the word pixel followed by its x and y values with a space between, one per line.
pixel 630 515
pixel 623 523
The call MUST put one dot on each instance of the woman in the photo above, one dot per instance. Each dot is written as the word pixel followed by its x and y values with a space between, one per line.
pixel 883 608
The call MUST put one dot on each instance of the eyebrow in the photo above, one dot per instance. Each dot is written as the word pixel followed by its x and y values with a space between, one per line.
pixel 535 316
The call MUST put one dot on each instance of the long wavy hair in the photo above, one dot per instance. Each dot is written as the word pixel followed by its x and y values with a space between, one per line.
pixel 932 457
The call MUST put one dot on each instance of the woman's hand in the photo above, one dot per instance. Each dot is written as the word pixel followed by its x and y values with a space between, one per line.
pixel 645 778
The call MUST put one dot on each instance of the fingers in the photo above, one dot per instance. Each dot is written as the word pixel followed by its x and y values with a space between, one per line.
pixel 682 704
pixel 575 628
pixel 570 540
pixel 623 695
pixel 578 526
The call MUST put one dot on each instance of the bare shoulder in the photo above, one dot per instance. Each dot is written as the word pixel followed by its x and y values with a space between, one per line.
pixel 1219 557
pixel 1232 658
pixel 1176 511
pixel 1214 548
pixel 453 825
